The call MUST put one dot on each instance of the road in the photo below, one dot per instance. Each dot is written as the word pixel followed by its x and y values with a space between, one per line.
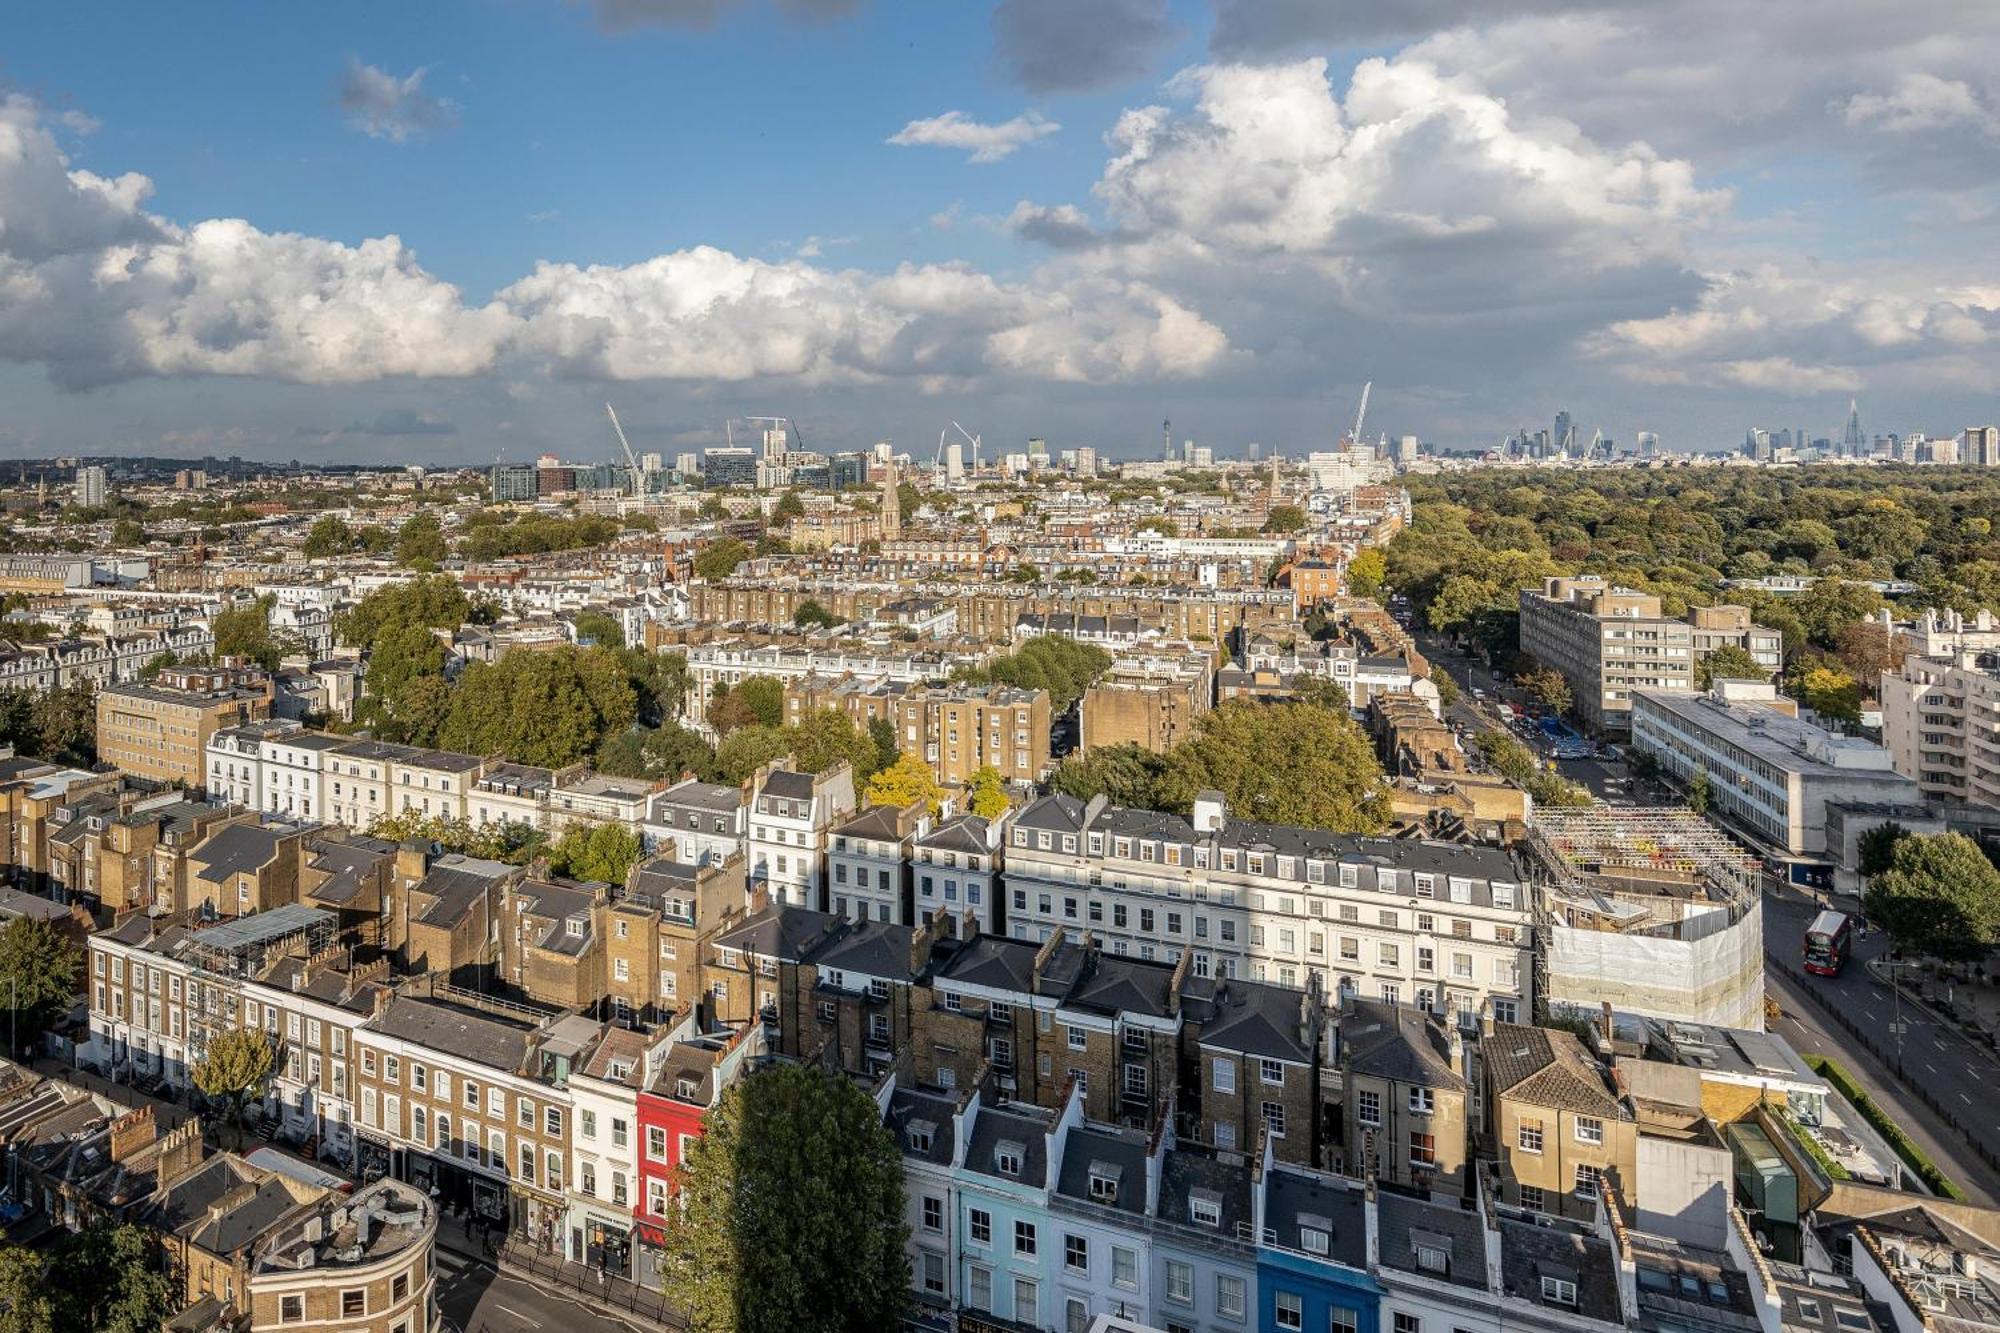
pixel 1960 1075
pixel 476 1299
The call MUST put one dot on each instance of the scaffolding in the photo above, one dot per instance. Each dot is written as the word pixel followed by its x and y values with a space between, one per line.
pixel 1653 911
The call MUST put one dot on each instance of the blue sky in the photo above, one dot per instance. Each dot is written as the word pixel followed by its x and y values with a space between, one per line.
pixel 1491 210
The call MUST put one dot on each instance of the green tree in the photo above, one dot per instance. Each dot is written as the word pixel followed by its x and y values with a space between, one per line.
pixel 603 852
pixel 63 722
pixel 826 736
pixel 789 506
pixel 435 601
pixel 329 535
pixel 1727 663
pixel 38 977
pixel 420 543
pixel 719 559
pixel 1940 897
pixel 883 732
pixel 128 532
pixel 236 1065
pixel 157 663
pixel 1546 686
pixel 1876 849
pixel 905 782
pixel 549 708
pixel 747 749
pixel 402 653
pixel 1447 688
pixel 987 796
pixel 1831 693
pixel 245 631
pixel 729 711
pixel 1285 519
pixel 811 615
pixel 109 1279
pixel 1365 573
pixel 765 697
pixel 597 628
pixel 1287 763
pixel 908 500
pixel 1062 666
pixel 790 1212
pixel 1126 775
pixel 1699 796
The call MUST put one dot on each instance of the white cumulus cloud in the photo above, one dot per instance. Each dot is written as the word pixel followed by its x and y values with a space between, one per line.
pixel 986 143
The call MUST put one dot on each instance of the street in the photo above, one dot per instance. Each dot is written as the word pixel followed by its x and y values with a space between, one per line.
pixel 476 1299
pixel 1933 1054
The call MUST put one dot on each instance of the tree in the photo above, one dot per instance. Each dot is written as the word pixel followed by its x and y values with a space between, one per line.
pixel 1876 849
pixel 108 1279
pixel 1698 794
pixel 1128 775
pixel 765 697
pixel 1447 688
pixel 236 1065
pixel 1289 763
pixel 1285 519
pixel 128 532
pixel 38 976
pixel 435 601
pixel 883 732
pixel 1062 666
pixel 420 543
pixel 1546 686
pixel 157 663
pixel 827 736
pixel 245 631
pixel 599 629
pixel 905 782
pixel 329 535
pixel 1365 573
pixel 548 708
pixel 63 723
pixel 790 1211
pixel 728 711
pixel 812 615
pixel 1940 897
pixel 987 797
pixel 748 749
pixel 1728 663
pixel 603 852
pixel 719 559
pixel 789 506
pixel 1868 650
pixel 1831 693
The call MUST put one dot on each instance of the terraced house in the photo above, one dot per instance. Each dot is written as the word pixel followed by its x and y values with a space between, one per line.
pixel 1444 926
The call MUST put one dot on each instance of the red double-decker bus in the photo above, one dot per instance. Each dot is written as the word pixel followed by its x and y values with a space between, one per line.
pixel 1827 939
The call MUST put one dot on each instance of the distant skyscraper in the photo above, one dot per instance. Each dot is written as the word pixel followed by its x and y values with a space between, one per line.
pixel 1854 444
pixel 90 488
pixel 1564 433
pixel 1086 461
pixel 1649 443
pixel 1038 451
pixel 1980 446
pixel 1256 450
pixel 954 462
pixel 687 464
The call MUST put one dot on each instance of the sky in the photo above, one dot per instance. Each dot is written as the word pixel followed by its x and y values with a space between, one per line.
pixel 449 232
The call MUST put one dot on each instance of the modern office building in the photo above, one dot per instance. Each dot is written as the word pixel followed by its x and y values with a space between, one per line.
pixel 1769 772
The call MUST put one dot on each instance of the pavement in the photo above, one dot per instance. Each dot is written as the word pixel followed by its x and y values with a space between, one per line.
pixel 1960 1075
pixel 477 1298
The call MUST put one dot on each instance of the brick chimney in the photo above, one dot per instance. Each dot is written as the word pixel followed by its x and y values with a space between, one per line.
pixel 1046 952
pixel 132 1132
pixel 180 1151
pixel 1177 980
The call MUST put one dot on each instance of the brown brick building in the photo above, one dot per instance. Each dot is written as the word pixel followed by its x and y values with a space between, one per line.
pixel 160 729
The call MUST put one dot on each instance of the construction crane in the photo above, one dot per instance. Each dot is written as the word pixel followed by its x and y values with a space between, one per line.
pixel 631 463
pixel 1361 415
pixel 937 464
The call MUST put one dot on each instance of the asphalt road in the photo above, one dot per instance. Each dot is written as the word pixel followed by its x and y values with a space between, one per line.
pixel 1960 1075
pixel 476 1299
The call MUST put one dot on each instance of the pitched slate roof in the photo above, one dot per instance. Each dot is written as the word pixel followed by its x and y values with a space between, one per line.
pixel 1548 1067
pixel 1396 1042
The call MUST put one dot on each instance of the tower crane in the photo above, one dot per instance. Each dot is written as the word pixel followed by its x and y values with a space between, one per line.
pixel 631 463
pixel 973 440
pixel 1361 415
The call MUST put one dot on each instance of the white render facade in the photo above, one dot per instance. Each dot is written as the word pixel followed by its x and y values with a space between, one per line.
pixel 1440 925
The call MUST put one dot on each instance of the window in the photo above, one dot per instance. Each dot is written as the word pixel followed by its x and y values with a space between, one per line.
pixel 1589 1129
pixel 524 1113
pixel 1588 1180
pixel 353 1302
pixel 933 1213
pixel 1291 1310
pixel 1024 1237
pixel 1007 1159
pixel 291 1309
pixel 1559 1291
pixel 1405 1323
pixel 1314 1241
pixel 1180 1282
pixel 1368 1107
pixel 1205 1208
pixel 1532 1199
pixel 933 1266
pixel 1124 1267
pixel 1341 1319
pixel 1422 1100
pixel 1076 1254
pixel 1531 1136
pixel 656 1143
pixel 980 1223
pixel 552 1121
pixel 1274 1119
pixel 979 1289
pixel 1423 1149
pixel 617 1132
pixel 1224 1078
pixel 1078 1039
pixel 1027 1296
pixel 1229 1296
pixel 1271 1072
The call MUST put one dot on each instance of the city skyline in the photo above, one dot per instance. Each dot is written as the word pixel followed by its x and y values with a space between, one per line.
pixel 453 235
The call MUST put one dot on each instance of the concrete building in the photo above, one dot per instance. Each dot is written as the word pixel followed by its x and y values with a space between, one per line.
pixel 1941 725
pixel 161 730
pixel 1609 642
pixel 1768 771
pixel 1148 699
pixel 91 490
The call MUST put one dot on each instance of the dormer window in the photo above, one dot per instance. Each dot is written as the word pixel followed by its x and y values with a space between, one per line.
pixel 1205 1208
pixel 878 989
pixel 1103 1182
pixel 920 1134
pixel 1313 1240
pixel 1559 1291
pixel 1431 1257
pixel 1007 1158
pixel 574 927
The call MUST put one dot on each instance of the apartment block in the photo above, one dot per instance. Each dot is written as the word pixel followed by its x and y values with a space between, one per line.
pixel 1941 724
pixel 161 729
pixel 1445 926
pixel 1608 642
pixel 957 729
pixel 791 817
pixel 868 862
pixel 1151 700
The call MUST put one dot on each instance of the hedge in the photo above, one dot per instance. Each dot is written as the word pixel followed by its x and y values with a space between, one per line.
pixel 1913 1156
